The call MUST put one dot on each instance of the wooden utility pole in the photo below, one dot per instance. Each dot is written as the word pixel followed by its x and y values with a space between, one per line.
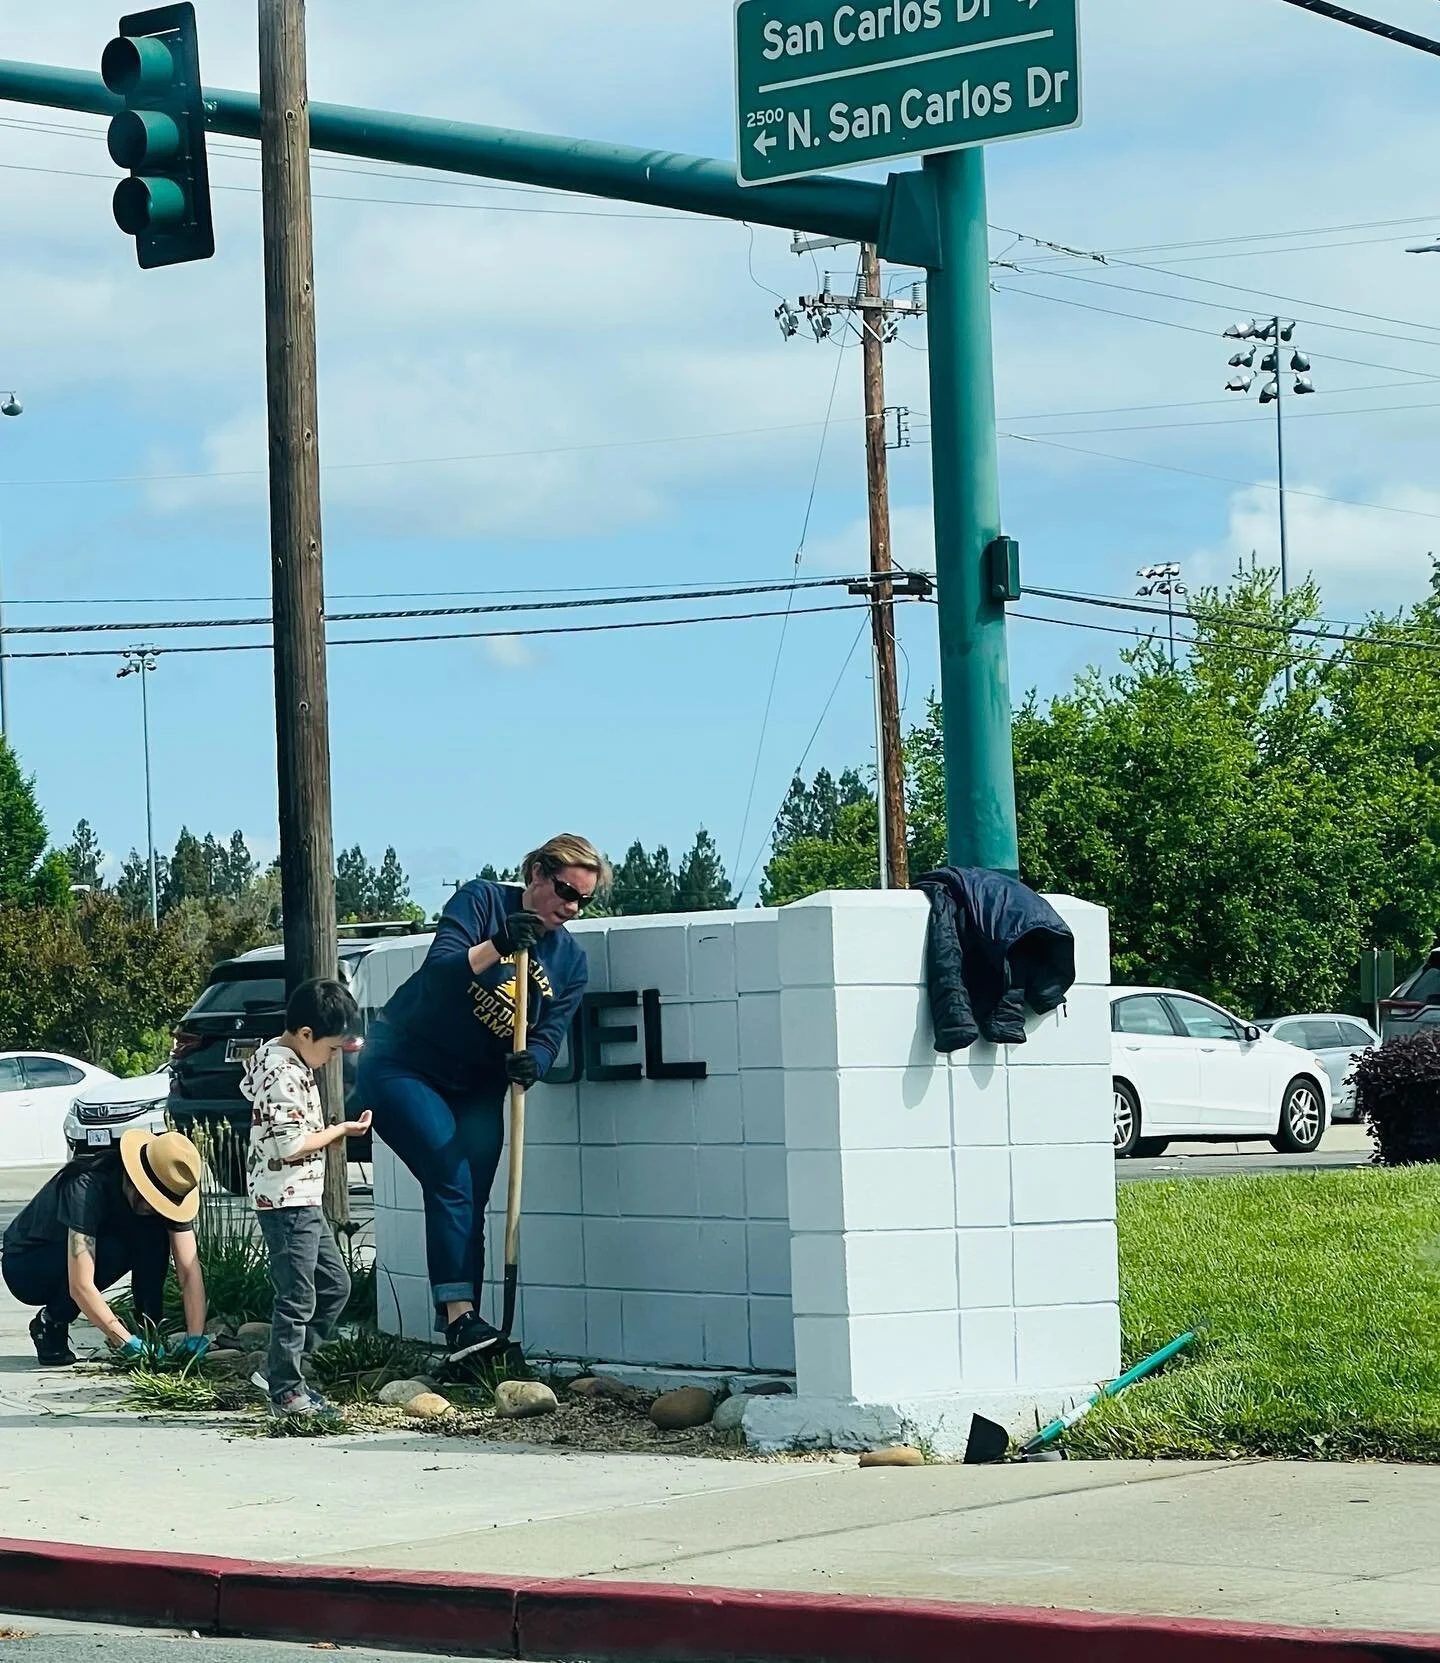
pixel 302 708
pixel 890 785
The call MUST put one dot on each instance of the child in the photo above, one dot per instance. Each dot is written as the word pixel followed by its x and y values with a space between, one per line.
pixel 288 1139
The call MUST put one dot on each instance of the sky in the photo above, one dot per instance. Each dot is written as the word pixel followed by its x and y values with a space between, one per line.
pixel 526 392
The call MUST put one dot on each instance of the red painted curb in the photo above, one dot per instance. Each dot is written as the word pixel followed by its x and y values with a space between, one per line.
pixel 623 1623
pixel 111 1584
pixel 423 1610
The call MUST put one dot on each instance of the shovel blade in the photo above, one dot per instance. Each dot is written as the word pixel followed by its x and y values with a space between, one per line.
pixel 988 1441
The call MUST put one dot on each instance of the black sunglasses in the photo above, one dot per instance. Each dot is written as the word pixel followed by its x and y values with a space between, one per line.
pixel 568 892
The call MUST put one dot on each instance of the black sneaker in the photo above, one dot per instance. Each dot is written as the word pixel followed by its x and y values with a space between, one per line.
pixel 52 1342
pixel 470 1336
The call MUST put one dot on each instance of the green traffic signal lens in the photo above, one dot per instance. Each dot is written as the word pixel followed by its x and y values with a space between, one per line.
pixel 129 66
pixel 149 205
pixel 142 139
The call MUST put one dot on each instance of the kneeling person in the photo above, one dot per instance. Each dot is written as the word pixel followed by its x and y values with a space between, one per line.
pixel 101 1217
pixel 288 1139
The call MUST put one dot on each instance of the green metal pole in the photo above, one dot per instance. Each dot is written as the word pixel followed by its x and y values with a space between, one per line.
pixel 974 667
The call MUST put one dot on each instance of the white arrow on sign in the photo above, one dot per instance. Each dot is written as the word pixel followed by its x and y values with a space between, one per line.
pixel 765 144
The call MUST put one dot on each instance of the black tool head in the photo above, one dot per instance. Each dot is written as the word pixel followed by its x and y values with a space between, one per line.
pixel 988 1441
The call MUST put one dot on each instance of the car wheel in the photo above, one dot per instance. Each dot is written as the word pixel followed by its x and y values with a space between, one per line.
pixel 1148 1148
pixel 1302 1119
pixel 1127 1120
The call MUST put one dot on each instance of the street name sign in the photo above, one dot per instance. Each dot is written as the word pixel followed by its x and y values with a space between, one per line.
pixel 823 85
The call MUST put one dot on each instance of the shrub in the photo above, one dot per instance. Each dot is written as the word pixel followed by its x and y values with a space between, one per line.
pixel 1397 1093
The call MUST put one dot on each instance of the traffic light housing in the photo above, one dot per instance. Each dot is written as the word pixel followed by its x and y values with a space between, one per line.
pixel 154 65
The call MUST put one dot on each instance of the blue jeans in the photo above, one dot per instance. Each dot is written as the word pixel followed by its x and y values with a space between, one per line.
pixel 451 1141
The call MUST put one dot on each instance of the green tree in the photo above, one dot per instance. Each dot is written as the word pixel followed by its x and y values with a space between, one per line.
pixel 190 871
pixel 22 841
pixel 132 888
pixel 356 883
pixel 85 857
pixel 701 884
pixel 644 883
pixel 92 982
pixel 826 837
pixel 392 889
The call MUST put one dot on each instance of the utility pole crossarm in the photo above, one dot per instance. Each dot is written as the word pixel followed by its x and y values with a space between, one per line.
pixel 853 209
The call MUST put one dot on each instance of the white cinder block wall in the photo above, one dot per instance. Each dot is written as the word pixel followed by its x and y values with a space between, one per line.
pixel 833 1198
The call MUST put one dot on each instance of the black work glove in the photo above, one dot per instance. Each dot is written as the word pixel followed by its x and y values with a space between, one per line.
pixel 518 934
pixel 521 1069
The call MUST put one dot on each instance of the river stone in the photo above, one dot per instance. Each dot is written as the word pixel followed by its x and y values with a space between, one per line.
pixel 226 1364
pixel 400 1392
pixel 583 1386
pixel 429 1406
pixel 678 1411
pixel 602 1385
pixel 730 1416
pixel 900 1456
pixel 257 1362
pixel 521 1399
pixel 254 1336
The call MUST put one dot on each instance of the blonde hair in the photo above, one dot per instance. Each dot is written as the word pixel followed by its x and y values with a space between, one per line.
pixel 568 849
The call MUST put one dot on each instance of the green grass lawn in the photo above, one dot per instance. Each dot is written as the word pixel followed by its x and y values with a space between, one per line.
pixel 1320 1299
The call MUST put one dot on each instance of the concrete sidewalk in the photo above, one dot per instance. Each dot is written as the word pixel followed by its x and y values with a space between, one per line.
pixel 1324 1545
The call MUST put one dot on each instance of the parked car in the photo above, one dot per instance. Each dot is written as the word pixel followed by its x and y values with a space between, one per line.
pixel 36 1090
pixel 1415 1004
pixel 106 1108
pixel 1339 1042
pixel 1184 1068
pixel 241 1007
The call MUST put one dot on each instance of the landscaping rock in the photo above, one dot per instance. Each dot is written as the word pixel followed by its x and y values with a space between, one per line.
pixel 257 1362
pixel 429 1406
pixel 583 1386
pixel 220 1331
pixel 770 1388
pixel 226 1364
pixel 521 1399
pixel 678 1411
pixel 731 1414
pixel 604 1386
pixel 900 1456
pixel 254 1336
pixel 400 1392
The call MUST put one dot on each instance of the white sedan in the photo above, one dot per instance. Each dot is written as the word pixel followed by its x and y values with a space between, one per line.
pixel 36 1091
pixel 1184 1068
pixel 104 1112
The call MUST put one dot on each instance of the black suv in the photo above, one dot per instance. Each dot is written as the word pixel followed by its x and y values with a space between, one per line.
pixel 1415 1004
pixel 242 1006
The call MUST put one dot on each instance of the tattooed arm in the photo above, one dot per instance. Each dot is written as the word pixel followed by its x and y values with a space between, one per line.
pixel 80 1260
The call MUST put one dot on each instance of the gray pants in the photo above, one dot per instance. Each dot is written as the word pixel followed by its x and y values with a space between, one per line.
pixel 311 1287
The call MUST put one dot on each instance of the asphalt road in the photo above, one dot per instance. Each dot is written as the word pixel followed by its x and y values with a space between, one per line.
pixel 1345 1145
pixel 43 1640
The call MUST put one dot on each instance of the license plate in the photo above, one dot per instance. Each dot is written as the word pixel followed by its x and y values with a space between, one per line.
pixel 98 1137
pixel 240 1050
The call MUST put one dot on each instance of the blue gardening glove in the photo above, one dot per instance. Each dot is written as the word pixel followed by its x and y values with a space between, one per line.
pixel 191 1349
pixel 132 1352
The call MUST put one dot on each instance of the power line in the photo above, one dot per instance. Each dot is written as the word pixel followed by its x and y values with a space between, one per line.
pixel 463 635
pixel 804 757
pixel 414 614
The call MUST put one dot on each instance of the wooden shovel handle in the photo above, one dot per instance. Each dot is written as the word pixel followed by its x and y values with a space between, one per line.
pixel 517 1113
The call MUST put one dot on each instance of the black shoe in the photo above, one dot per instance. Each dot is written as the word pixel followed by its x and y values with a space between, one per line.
pixel 52 1342
pixel 470 1336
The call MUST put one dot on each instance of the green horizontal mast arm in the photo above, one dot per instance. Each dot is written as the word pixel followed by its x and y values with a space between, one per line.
pixel 851 208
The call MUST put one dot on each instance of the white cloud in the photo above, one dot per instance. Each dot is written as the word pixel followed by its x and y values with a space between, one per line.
pixel 912 542
pixel 509 652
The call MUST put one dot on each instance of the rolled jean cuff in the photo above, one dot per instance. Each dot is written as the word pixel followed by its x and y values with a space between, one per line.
pixel 444 1292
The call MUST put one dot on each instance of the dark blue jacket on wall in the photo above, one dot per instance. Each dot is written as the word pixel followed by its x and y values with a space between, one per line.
pixel 993 947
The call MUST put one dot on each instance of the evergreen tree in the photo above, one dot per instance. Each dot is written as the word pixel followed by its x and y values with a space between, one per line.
pixel 643 883
pixel 392 888
pixel 22 833
pixel 356 882
pixel 701 884
pixel 190 871
pixel 132 889
pixel 236 868
pixel 84 857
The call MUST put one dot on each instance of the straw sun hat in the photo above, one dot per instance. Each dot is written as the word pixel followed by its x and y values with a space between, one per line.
pixel 165 1170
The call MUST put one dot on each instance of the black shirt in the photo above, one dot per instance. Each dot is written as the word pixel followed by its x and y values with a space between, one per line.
pixel 86 1196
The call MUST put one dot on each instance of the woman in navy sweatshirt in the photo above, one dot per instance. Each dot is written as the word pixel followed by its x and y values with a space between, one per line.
pixel 439 1060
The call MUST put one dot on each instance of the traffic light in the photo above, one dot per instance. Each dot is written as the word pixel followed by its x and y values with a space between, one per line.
pixel 154 65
